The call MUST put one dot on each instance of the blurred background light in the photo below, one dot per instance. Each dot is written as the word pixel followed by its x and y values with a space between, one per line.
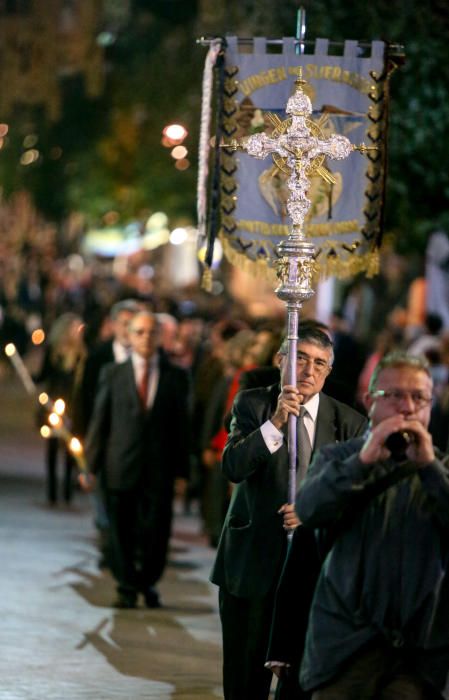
pixel 178 236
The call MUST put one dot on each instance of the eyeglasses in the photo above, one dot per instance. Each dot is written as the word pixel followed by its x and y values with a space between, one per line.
pixel 143 331
pixel 319 365
pixel 397 395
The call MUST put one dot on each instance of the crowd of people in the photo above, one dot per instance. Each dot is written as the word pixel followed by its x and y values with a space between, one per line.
pixel 172 405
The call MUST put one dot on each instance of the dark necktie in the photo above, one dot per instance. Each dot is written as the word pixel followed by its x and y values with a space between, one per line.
pixel 304 446
pixel 143 385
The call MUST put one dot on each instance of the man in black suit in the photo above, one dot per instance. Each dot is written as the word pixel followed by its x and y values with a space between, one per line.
pixel 253 543
pixel 115 349
pixel 138 437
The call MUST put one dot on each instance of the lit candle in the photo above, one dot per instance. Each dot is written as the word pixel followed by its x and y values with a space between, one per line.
pixel 76 449
pixel 19 366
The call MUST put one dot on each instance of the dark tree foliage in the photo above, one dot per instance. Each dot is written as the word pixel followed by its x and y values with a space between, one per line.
pixel 106 154
pixel 418 182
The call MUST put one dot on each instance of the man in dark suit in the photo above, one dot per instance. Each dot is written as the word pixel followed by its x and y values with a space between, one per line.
pixel 115 349
pixel 138 437
pixel 253 543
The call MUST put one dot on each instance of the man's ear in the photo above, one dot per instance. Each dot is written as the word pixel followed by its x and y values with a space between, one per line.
pixel 368 401
pixel 278 358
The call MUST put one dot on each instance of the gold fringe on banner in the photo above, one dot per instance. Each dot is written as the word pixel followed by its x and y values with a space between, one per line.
pixel 328 264
pixel 257 268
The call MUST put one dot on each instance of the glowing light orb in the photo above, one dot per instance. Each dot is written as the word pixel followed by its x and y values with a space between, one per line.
pixel 59 406
pixel 54 420
pixel 175 132
pixel 179 152
pixel 75 446
pixel 38 336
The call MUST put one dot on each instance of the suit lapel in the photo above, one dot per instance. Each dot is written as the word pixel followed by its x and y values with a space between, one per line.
pixel 130 383
pixel 274 391
pixel 325 424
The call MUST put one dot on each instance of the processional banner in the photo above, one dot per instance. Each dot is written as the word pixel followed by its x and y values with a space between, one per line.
pixel 349 94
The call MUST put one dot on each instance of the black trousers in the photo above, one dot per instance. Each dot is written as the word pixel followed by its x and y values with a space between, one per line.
pixel 140 523
pixel 55 446
pixel 246 628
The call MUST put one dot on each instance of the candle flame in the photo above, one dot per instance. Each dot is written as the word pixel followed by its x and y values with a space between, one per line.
pixel 75 446
pixel 10 349
pixel 59 406
pixel 54 420
pixel 45 431
pixel 43 398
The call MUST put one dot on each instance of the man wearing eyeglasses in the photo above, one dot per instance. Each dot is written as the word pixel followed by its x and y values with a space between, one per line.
pixel 379 622
pixel 253 543
pixel 138 438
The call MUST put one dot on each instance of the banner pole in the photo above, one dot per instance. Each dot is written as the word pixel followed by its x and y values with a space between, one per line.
pixel 293 309
pixel 300 30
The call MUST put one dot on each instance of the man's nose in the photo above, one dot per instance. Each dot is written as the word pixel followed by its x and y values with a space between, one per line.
pixel 308 368
pixel 406 405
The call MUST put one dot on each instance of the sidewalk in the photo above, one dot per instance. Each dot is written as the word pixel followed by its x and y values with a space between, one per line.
pixel 60 640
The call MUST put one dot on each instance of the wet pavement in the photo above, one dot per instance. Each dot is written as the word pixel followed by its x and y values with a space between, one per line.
pixel 59 637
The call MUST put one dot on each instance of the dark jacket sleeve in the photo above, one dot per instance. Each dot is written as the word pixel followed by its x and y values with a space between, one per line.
pixel 435 482
pixel 245 451
pixel 338 484
pixel 100 423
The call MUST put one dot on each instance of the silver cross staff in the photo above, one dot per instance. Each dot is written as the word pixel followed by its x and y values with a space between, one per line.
pixel 299 149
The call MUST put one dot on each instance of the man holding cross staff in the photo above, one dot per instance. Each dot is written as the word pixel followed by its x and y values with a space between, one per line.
pixel 253 544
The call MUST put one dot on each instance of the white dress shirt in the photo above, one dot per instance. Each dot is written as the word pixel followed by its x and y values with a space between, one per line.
pixel 119 351
pixel 274 438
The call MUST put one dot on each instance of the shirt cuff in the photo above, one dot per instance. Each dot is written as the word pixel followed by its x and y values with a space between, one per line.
pixel 272 664
pixel 273 437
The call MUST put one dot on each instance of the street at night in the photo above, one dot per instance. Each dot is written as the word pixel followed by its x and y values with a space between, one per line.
pixel 59 636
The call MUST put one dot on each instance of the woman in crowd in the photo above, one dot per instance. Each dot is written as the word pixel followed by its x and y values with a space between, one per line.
pixel 60 375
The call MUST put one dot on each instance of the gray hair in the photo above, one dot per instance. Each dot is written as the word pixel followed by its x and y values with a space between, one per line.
pixel 310 333
pixel 130 305
pixel 396 360
pixel 149 314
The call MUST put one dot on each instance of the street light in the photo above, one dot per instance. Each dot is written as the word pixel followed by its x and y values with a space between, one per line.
pixel 173 134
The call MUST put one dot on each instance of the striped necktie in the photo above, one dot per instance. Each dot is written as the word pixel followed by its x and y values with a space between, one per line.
pixel 304 447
